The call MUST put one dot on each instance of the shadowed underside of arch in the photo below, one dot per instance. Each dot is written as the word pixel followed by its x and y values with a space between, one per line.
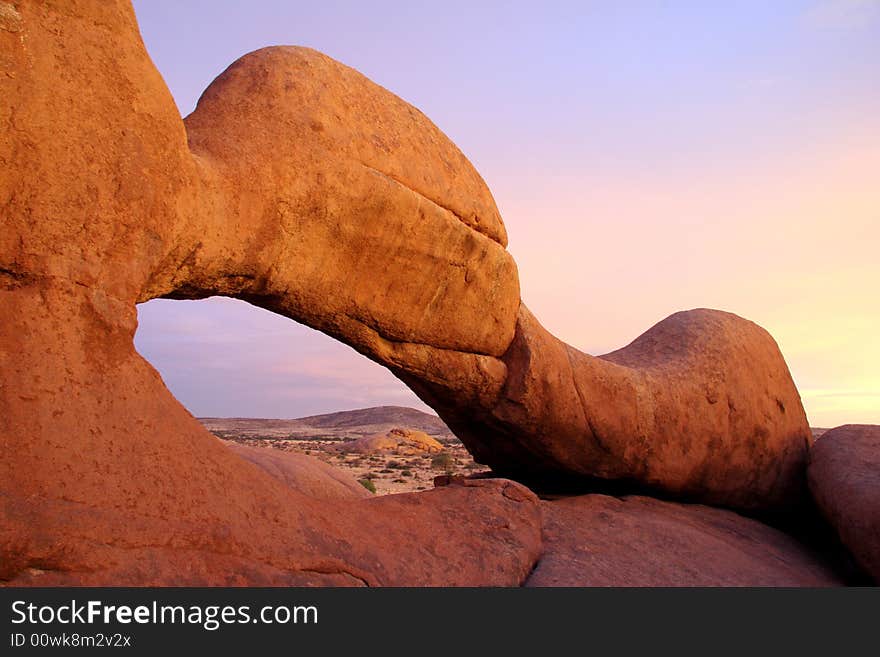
pixel 302 187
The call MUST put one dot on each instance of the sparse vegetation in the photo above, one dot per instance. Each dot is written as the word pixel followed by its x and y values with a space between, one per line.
pixel 386 471
pixel 443 461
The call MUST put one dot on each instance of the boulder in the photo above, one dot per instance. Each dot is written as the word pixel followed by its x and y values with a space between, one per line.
pixel 303 473
pixel 597 540
pixel 400 441
pixel 844 476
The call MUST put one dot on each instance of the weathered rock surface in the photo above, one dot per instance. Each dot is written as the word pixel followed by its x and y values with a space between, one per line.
pixel 401 441
pixel 844 476
pixel 282 187
pixel 483 533
pixel 597 540
pixel 303 473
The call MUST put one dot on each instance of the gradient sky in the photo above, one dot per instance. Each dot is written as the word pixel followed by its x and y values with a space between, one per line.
pixel 647 157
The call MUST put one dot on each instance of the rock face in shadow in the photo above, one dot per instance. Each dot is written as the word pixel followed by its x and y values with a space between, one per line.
pixel 284 187
pixel 597 540
pixel 303 473
pixel 844 476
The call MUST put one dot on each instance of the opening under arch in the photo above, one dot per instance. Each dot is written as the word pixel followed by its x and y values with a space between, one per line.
pixel 222 357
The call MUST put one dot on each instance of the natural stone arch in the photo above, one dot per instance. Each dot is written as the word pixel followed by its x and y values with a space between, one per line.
pixel 338 205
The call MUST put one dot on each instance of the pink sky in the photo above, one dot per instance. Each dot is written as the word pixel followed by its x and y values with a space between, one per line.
pixel 645 160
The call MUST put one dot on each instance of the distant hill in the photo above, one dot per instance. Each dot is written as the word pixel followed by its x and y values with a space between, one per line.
pixel 342 424
pixel 398 415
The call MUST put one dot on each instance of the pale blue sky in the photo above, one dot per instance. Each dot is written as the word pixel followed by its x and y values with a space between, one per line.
pixel 646 157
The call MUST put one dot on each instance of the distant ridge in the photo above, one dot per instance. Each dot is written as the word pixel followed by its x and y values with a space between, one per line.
pixel 353 423
pixel 402 415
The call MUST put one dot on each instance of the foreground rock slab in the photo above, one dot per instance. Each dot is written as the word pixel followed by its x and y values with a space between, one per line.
pixel 844 476
pixel 597 540
pixel 485 533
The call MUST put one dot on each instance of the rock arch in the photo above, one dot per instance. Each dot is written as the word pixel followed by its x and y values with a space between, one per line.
pixel 339 205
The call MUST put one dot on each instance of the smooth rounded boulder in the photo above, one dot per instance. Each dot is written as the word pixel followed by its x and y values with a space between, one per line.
pixel 844 476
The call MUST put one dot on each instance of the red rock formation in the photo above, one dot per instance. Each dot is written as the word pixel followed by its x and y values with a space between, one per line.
pixel 844 476
pixel 596 540
pixel 284 184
